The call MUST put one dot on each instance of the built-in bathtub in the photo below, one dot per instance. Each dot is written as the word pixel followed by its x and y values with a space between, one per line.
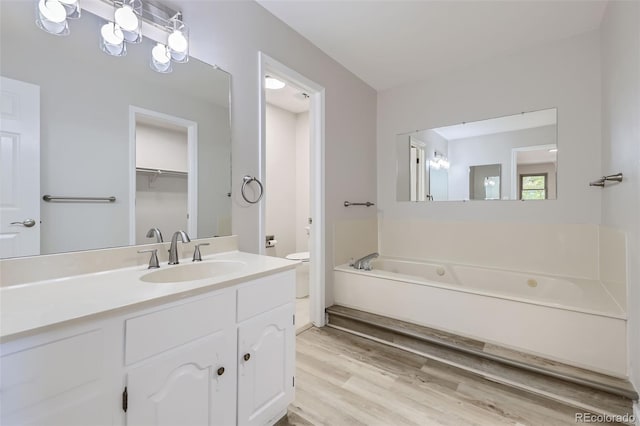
pixel 571 320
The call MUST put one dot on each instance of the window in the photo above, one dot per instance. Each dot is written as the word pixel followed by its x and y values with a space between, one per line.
pixel 533 187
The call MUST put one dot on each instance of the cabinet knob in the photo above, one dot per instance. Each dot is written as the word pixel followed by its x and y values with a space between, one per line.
pixel 247 357
pixel 220 371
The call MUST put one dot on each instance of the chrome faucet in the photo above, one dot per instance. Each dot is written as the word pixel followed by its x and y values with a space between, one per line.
pixel 155 232
pixel 365 262
pixel 173 248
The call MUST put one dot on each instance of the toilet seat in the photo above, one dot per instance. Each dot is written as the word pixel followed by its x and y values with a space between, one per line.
pixel 301 256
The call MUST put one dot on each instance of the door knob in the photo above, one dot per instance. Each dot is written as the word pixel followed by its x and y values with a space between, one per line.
pixel 247 357
pixel 220 371
pixel 27 223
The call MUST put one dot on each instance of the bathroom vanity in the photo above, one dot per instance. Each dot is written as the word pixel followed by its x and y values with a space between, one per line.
pixel 108 348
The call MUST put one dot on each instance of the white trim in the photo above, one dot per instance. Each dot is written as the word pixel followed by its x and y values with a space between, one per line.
pixel 317 243
pixel 514 164
pixel 192 177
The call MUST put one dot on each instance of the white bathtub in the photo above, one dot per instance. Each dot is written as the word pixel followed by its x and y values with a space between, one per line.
pixel 575 321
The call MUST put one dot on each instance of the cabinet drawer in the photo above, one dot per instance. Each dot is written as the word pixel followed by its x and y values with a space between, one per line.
pixel 265 294
pixel 161 330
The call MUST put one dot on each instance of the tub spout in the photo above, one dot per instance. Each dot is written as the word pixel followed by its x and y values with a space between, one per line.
pixel 365 262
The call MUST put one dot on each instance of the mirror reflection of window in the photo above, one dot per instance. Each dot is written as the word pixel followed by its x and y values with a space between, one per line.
pixel 533 187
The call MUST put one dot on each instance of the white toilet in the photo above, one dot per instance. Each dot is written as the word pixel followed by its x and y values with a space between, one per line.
pixel 302 273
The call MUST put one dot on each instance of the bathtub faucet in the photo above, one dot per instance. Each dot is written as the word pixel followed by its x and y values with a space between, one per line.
pixel 365 262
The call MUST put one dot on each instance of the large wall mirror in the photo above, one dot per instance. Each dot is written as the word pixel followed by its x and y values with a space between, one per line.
pixel 154 148
pixel 506 158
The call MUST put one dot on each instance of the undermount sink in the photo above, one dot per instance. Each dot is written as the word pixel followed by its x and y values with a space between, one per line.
pixel 193 271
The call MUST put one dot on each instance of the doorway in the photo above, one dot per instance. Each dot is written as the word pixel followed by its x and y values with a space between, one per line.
pixel 310 179
pixel 164 175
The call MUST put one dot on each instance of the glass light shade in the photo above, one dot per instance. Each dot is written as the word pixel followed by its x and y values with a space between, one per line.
pixel 161 59
pixel 112 40
pixel 72 8
pixel 128 18
pixel 52 17
pixel 178 43
pixel 273 83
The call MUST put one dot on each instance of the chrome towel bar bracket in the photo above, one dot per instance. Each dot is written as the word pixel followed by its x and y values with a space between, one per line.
pixel 246 180
pixel 611 178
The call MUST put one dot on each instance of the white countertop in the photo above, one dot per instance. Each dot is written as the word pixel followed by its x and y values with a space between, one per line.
pixel 28 307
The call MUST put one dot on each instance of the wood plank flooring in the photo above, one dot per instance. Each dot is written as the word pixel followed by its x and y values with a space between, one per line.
pixel 510 356
pixel 342 379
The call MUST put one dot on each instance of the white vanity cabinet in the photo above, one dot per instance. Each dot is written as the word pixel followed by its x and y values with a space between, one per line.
pixel 58 378
pixel 221 357
pixel 266 349
pixel 181 363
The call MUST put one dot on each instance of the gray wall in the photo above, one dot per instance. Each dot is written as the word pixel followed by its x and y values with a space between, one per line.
pixel 563 75
pixel 230 34
pixel 620 147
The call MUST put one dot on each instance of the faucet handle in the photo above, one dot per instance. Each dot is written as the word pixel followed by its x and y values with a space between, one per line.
pixel 197 257
pixel 153 261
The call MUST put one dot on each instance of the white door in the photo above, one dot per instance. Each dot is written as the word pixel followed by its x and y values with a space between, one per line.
pixel 266 353
pixel 19 168
pixel 193 385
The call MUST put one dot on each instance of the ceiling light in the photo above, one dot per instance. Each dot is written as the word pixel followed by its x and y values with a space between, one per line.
pixel 112 40
pixel 127 16
pixel 161 59
pixel 273 83
pixel 52 17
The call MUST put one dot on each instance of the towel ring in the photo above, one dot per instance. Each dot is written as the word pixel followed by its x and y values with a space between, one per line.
pixel 247 180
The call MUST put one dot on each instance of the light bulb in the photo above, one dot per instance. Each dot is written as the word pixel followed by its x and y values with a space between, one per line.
pixel 177 41
pixel 112 40
pixel 52 17
pixel 126 18
pixel 178 46
pixel 52 10
pixel 160 59
pixel 159 53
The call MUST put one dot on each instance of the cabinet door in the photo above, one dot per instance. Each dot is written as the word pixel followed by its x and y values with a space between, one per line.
pixel 190 385
pixel 266 351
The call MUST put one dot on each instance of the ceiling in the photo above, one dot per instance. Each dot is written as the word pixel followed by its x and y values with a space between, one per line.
pixel 510 123
pixel 394 42
pixel 289 98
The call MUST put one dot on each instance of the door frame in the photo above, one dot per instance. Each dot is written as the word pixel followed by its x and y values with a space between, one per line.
pixel 192 176
pixel 317 243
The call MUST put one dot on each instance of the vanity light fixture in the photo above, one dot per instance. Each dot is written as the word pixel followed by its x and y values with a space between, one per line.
pixel 52 15
pixel 125 27
pixel 273 83
pixel 439 161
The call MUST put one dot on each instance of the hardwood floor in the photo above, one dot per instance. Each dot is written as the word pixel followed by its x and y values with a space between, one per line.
pixel 342 379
